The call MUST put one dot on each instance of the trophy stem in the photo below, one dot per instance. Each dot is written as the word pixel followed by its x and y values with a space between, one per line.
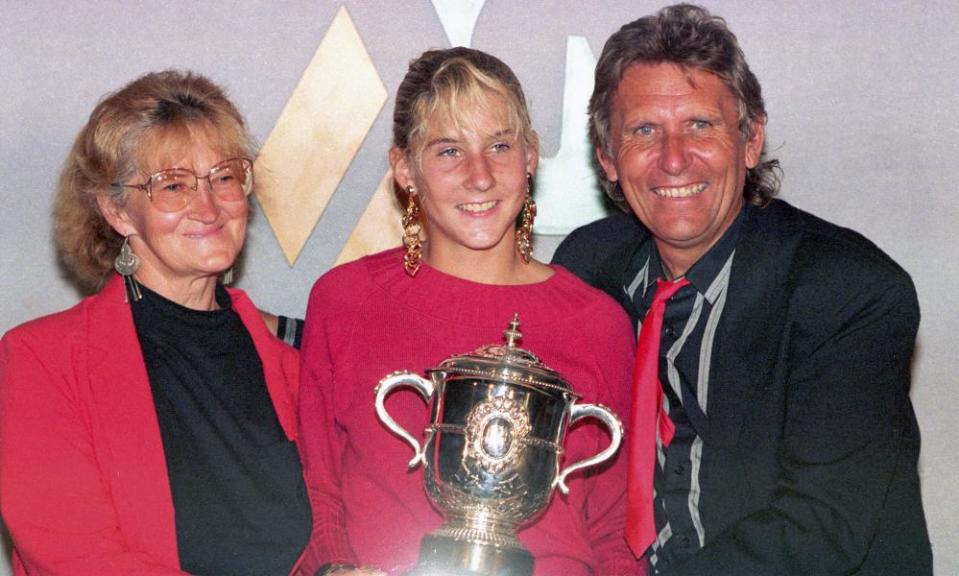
pixel 476 543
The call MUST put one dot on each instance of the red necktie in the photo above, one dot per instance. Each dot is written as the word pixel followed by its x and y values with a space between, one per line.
pixel 647 405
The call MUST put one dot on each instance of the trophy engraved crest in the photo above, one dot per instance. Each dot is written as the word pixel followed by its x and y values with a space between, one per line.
pixel 496 432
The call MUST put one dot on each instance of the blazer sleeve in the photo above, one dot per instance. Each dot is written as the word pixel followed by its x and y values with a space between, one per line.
pixel 848 437
pixel 54 498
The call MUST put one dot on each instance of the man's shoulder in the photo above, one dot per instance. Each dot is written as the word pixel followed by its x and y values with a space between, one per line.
pixel 613 230
pixel 586 249
pixel 824 269
pixel 825 248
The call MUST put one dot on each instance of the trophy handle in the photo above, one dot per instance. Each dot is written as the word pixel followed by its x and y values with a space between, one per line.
pixel 615 428
pixel 383 389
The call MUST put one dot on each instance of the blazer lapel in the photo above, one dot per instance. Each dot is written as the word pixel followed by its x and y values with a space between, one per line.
pixel 280 363
pixel 750 332
pixel 127 425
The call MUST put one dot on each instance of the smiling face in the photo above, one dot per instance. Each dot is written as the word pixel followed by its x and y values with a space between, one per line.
pixel 469 179
pixel 679 156
pixel 196 243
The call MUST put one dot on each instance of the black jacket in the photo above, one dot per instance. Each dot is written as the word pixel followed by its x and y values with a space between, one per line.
pixel 811 463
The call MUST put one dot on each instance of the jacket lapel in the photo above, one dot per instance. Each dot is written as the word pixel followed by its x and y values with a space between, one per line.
pixel 280 362
pixel 127 425
pixel 750 334
pixel 125 420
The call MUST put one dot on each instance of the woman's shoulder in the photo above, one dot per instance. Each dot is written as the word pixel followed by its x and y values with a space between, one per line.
pixel 570 314
pixel 587 338
pixel 107 303
pixel 579 298
pixel 57 325
pixel 347 284
pixel 57 336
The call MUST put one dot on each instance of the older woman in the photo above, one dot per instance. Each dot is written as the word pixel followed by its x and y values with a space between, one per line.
pixel 463 156
pixel 150 429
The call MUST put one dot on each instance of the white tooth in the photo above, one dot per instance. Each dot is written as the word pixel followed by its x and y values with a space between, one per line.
pixel 682 192
pixel 478 207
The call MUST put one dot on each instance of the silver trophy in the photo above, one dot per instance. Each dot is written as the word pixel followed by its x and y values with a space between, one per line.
pixel 492 453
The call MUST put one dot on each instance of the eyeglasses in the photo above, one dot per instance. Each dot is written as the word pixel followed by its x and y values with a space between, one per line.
pixel 171 190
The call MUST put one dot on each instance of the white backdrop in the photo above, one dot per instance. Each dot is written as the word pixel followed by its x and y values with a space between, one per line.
pixel 861 98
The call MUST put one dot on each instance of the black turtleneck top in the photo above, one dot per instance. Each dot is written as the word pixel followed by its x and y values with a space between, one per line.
pixel 237 486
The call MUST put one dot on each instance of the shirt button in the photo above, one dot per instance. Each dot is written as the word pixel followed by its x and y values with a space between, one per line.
pixel 679 470
pixel 684 541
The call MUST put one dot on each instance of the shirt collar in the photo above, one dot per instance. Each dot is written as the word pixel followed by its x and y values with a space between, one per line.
pixel 645 266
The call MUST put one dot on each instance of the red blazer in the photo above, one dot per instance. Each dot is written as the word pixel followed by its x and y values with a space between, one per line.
pixel 83 478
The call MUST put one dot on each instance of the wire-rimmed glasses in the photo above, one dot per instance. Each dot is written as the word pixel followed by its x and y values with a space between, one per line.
pixel 171 190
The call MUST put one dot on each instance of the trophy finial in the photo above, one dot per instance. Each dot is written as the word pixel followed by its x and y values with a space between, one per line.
pixel 512 334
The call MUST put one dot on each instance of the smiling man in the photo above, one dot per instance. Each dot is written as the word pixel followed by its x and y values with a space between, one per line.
pixel 784 438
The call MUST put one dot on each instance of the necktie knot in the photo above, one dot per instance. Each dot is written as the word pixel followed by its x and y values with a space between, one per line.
pixel 665 289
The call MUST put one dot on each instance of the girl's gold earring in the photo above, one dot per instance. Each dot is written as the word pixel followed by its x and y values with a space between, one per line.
pixel 411 234
pixel 524 240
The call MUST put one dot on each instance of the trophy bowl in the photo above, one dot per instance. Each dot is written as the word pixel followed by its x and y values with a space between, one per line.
pixel 491 453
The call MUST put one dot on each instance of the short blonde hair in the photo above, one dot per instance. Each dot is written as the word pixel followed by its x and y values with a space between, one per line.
pixel 455 82
pixel 113 146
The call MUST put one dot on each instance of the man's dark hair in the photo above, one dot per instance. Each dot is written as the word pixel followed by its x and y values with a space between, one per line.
pixel 691 37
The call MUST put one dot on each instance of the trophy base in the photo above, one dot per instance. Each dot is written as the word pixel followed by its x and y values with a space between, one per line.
pixel 440 556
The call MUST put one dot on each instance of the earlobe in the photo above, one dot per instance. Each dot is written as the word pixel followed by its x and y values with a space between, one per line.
pixel 608 166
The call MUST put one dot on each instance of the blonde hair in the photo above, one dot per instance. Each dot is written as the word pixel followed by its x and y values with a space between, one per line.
pixel 123 132
pixel 455 82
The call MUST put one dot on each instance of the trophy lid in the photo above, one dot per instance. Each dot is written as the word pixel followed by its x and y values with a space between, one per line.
pixel 505 362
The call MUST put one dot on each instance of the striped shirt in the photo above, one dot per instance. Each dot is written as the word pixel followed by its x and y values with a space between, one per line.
pixel 688 340
pixel 289 330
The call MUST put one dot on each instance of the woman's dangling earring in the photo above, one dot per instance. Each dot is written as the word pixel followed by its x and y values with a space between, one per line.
pixel 524 241
pixel 411 234
pixel 126 264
